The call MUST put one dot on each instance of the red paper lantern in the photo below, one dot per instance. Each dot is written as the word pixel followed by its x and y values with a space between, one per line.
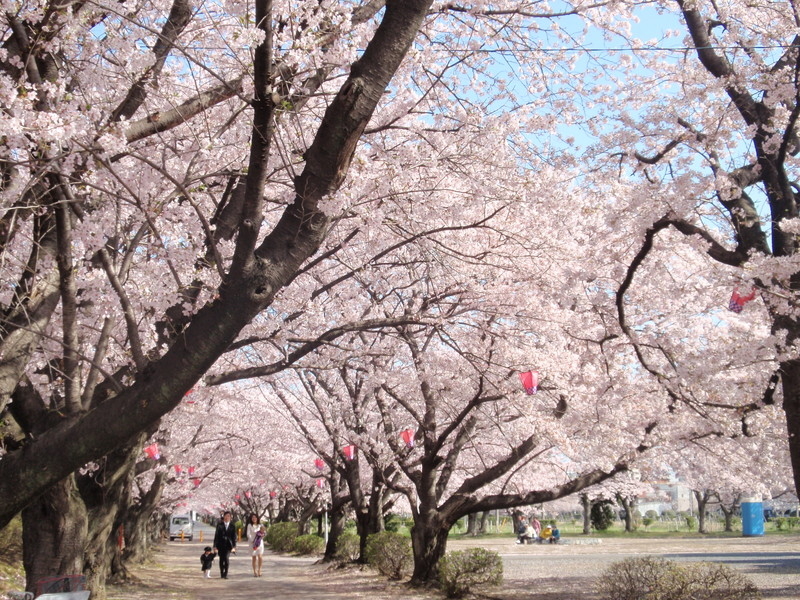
pixel 238 497
pixel 191 471
pixel 196 481
pixel 273 494
pixel 152 451
pixel 408 437
pixel 738 301
pixel 349 452
pixel 320 464
pixel 178 469
pixel 248 494
pixel 320 483
pixel 530 381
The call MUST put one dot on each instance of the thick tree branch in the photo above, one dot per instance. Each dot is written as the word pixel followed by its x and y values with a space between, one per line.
pixel 307 347
pixel 168 119
pixel 179 17
pixel 253 287
pixel 69 303
pixel 127 310
pixel 499 501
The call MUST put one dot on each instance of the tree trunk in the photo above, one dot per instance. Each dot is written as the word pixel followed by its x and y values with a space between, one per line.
pixel 104 492
pixel 141 527
pixel 54 532
pixel 790 382
pixel 337 523
pixel 429 542
pixel 370 519
pixel 362 528
pixel 472 524
pixel 586 504
pixel 702 503
pixel 628 506
pixel 484 522
pixel 728 517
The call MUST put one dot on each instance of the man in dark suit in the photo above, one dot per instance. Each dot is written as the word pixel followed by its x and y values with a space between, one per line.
pixel 224 542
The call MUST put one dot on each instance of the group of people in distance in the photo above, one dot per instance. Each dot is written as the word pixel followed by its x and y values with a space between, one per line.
pixel 531 531
pixel 225 543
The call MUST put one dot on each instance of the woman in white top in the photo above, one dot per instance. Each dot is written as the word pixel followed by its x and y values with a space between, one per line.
pixel 255 537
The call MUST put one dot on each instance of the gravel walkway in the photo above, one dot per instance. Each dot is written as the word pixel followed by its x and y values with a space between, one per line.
pixel 537 572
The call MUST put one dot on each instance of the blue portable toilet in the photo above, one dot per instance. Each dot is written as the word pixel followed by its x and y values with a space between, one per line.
pixel 752 516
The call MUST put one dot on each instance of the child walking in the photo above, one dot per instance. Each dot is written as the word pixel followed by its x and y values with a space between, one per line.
pixel 207 559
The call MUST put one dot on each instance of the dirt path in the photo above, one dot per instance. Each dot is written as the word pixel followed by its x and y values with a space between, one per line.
pixel 537 572
pixel 174 572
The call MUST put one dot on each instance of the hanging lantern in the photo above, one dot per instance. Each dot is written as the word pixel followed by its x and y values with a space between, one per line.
pixel 178 470
pixel 152 451
pixel 238 497
pixel 408 437
pixel 320 464
pixel 186 394
pixel 320 483
pixel 191 471
pixel 248 494
pixel 349 452
pixel 738 301
pixel 273 494
pixel 196 482
pixel 530 381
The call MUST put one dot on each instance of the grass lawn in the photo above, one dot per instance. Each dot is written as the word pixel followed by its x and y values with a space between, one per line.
pixel 659 529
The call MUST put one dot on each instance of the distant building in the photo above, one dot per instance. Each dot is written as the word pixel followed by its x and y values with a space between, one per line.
pixel 668 495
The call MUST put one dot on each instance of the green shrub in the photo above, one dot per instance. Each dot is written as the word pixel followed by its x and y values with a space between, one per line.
pixel 462 570
pixel 280 536
pixel 391 522
pixel 652 515
pixel 308 544
pixel 601 515
pixel 780 523
pixel 348 547
pixel 658 579
pixel 390 553
pixel 647 521
pixel 691 522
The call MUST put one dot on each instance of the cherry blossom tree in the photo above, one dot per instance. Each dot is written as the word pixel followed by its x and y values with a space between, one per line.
pixel 717 165
pixel 229 193
pixel 96 207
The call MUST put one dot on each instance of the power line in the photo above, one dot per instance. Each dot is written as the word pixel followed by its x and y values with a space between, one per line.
pixel 600 50
pixel 580 49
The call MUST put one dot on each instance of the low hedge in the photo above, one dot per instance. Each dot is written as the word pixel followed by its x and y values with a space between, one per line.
pixel 280 536
pixel 462 570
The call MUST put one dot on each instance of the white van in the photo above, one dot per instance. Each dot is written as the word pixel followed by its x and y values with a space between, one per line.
pixel 181 524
